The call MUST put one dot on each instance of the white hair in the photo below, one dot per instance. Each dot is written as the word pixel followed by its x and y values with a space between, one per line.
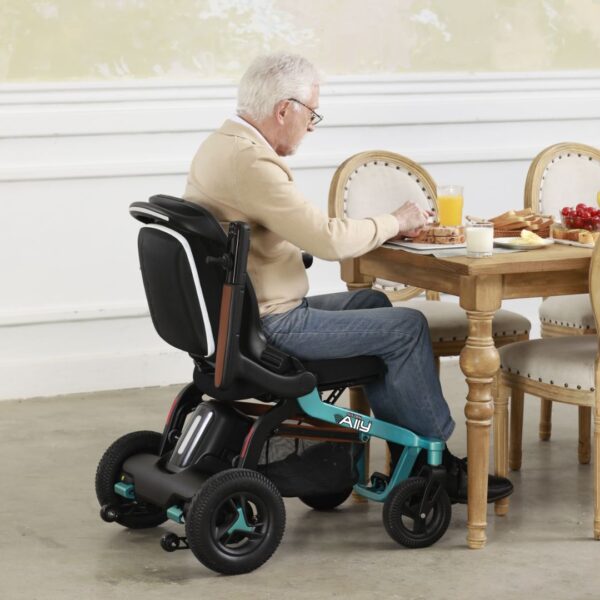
pixel 272 78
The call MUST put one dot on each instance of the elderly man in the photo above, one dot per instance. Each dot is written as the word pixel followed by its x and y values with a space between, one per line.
pixel 238 174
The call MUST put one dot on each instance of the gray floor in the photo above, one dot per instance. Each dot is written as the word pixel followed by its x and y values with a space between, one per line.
pixel 54 546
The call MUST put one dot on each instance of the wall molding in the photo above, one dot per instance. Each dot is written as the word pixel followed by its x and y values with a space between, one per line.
pixel 92 109
pixel 436 82
pixel 180 167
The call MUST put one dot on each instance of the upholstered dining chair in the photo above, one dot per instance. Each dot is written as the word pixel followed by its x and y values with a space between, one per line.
pixel 377 182
pixel 561 175
pixel 561 369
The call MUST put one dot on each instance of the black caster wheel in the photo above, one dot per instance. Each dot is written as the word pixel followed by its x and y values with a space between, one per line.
pixel 169 542
pixel 128 513
pixel 415 521
pixel 326 501
pixel 108 513
pixel 235 521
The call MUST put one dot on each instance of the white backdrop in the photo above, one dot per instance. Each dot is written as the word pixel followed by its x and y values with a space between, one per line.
pixel 72 157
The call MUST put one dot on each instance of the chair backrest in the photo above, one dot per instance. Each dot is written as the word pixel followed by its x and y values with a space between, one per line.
pixel 594 279
pixel 181 249
pixel 561 175
pixel 376 182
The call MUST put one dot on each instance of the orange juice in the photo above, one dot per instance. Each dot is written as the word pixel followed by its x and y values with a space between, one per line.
pixel 450 209
pixel 598 198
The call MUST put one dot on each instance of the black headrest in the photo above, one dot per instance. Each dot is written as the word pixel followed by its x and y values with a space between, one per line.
pixel 180 215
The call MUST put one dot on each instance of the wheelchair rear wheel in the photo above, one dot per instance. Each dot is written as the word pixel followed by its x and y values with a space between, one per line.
pixel 413 520
pixel 129 513
pixel 326 501
pixel 235 521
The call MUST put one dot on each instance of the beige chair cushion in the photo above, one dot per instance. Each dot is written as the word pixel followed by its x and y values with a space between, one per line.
pixel 378 187
pixel 566 362
pixel 448 321
pixel 568 311
pixel 569 178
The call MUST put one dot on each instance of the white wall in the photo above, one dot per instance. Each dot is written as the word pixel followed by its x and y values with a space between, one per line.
pixel 72 157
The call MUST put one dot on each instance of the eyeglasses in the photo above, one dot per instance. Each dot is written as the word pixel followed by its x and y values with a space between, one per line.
pixel 314 117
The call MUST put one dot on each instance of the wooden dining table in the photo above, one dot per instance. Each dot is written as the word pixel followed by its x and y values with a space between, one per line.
pixel 481 285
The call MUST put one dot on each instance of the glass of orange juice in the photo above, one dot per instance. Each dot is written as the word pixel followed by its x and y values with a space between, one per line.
pixel 450 205
pixel 598 198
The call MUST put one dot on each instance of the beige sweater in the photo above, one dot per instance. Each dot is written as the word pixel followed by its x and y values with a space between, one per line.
pixel 239 177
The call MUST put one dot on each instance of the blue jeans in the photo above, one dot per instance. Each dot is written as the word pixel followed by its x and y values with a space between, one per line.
pixel 340 326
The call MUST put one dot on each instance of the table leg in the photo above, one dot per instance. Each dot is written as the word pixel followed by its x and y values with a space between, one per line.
pixel 479 361
pixel 501 394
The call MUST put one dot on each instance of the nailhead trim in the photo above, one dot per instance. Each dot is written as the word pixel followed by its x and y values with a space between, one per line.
pixel 559 157
pixel 387 164
pixel 496 335
pixel 510 370
pixel 564 324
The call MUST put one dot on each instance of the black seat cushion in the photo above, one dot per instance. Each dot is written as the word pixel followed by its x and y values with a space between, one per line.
pixel 330 374
pixel 345 372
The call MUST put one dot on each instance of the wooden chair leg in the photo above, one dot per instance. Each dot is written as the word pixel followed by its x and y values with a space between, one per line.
pixel 545 420
pixel 585 433
pixel 597 469
pixel 501 440
pixel 516 429
pixel 359 403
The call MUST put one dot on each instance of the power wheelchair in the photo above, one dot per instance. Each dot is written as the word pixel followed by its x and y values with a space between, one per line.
pixel 214 468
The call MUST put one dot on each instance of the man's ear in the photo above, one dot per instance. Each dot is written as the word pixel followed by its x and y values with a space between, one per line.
pixel 281 109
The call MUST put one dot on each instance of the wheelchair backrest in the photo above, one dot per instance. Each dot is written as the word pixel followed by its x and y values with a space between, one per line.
pixel 185 291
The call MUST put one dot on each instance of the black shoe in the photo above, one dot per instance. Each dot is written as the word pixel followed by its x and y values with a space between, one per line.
pixel 456 481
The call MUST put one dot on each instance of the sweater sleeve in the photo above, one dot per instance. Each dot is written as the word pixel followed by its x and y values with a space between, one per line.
pixel 268 195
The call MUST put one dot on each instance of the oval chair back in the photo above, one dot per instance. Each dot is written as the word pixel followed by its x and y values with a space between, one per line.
pixel 373 183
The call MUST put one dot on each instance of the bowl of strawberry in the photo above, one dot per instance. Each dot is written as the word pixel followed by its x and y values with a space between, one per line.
pixel 581 217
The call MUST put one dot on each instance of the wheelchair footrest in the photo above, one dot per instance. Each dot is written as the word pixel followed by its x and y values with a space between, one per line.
pixel 379 481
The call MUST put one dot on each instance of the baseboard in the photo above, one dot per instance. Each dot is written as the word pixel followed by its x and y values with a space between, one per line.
pixel 94 372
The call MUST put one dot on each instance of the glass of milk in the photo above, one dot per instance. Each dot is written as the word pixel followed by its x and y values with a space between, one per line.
pixel 480 239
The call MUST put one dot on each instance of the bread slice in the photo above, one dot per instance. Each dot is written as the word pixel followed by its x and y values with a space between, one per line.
pixel 435 234
pixel 559 232
pixel 582 236
pixel 450 239
pixel 447 231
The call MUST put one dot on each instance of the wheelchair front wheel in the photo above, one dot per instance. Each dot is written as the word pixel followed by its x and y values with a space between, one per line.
pixel 235 521
pixel 131 514
pixel 415 521
pixel 326 501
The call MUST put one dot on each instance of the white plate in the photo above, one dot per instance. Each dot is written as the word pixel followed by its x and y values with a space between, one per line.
pixel 570 243
pixel 419 246
pixel 516 244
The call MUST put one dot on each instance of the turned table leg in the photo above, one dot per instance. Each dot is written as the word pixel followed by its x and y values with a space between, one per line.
pixel 479 361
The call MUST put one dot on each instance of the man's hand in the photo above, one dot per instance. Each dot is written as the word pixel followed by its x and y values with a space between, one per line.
pixel 411 218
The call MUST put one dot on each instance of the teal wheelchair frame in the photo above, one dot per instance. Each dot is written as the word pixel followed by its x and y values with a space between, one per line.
pixel 368 427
